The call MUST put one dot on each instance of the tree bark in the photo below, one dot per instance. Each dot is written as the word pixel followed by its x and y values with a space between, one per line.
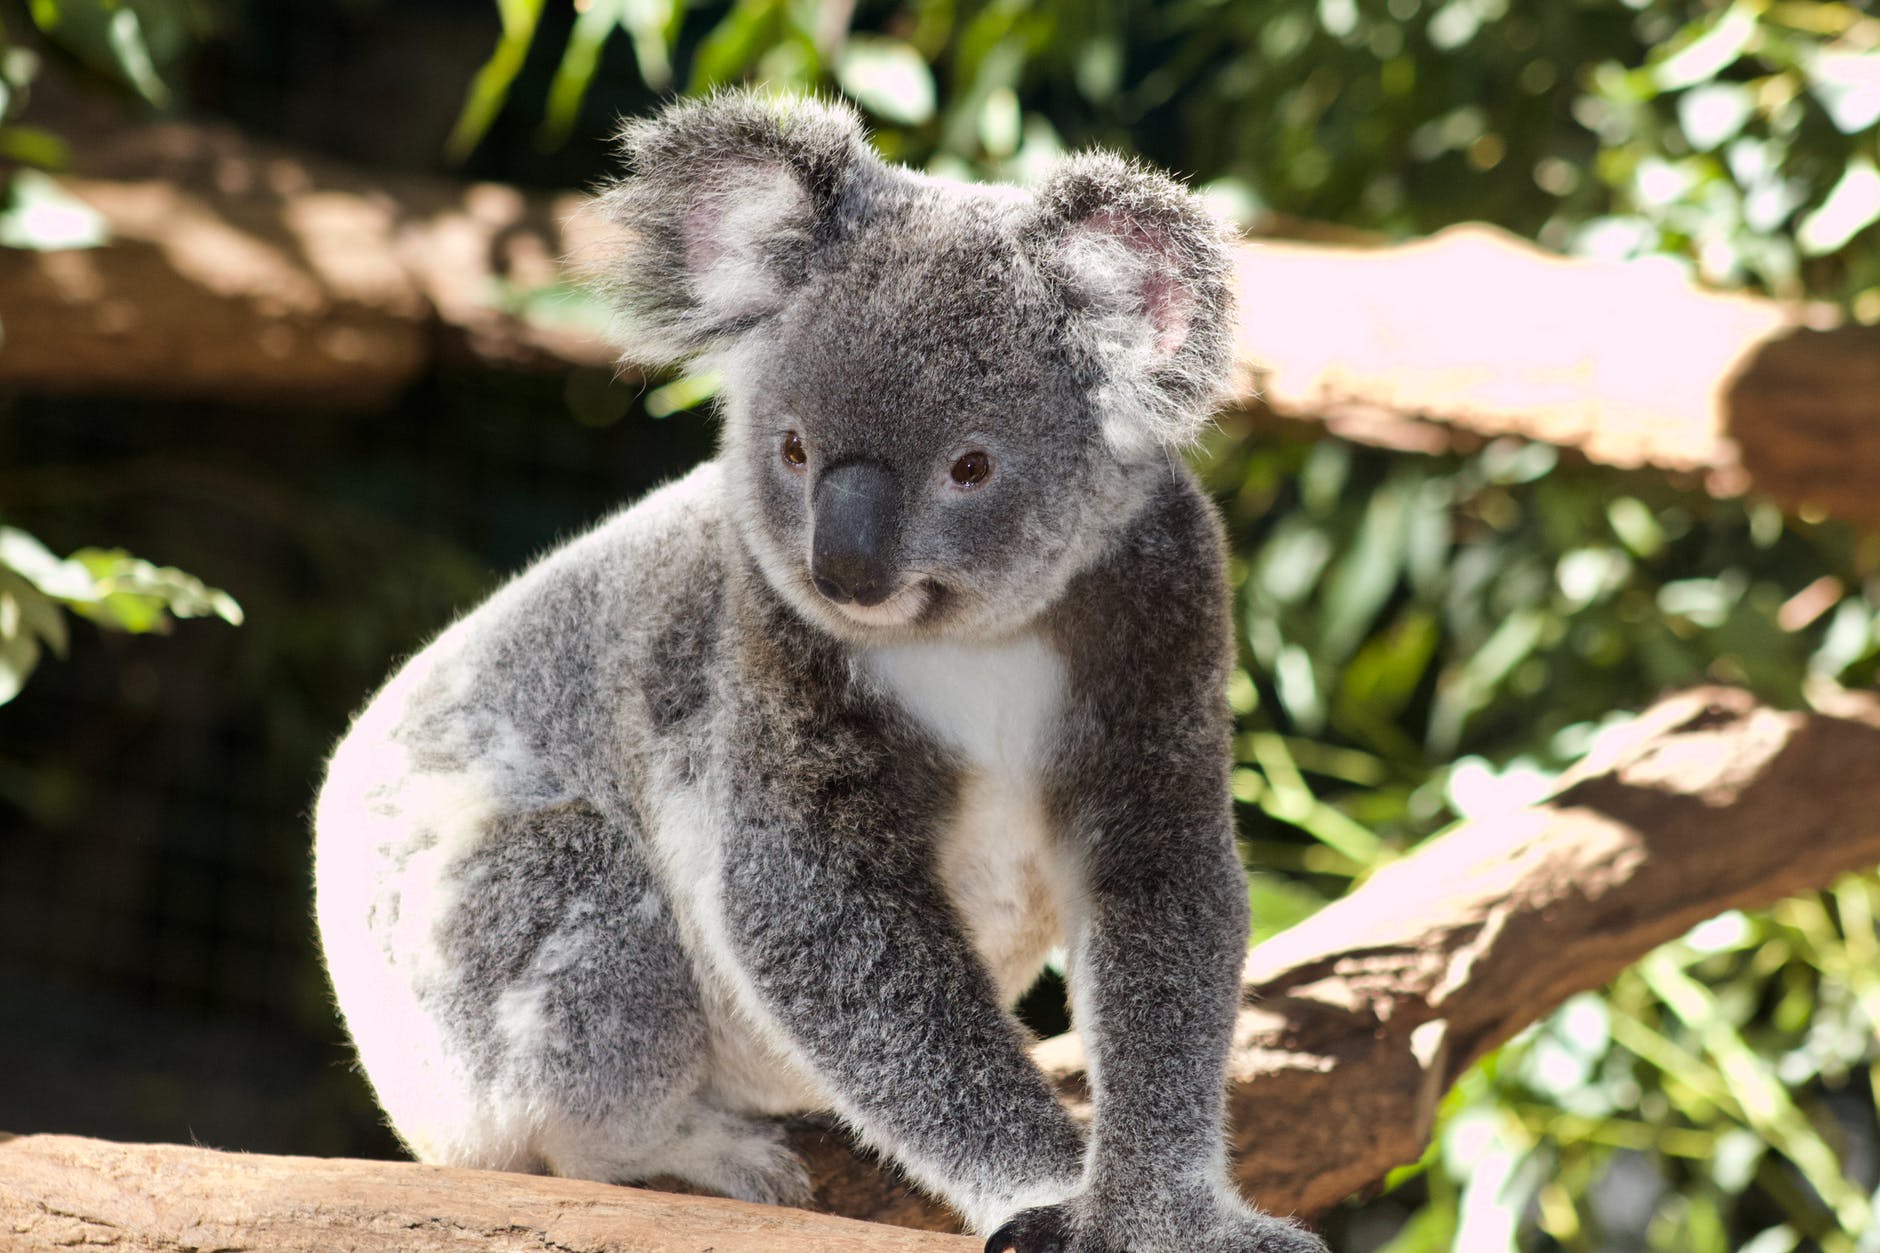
pixel 244 271
pixel 59 1192
pixel 1354 1023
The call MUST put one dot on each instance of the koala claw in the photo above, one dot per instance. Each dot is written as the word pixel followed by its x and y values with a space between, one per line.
pixel 1054 1229
pixel 1043 1230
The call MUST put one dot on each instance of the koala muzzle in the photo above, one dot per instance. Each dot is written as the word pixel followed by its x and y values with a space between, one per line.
pixel 856 512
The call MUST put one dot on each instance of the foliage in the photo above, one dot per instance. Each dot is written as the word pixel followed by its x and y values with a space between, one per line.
pixel 1408 621
pixel 1434 638
pixel 106 585
pixel 1722 1082
pixel 34 211
pixel 1741 139
pixel 1423 638
pixel 131 43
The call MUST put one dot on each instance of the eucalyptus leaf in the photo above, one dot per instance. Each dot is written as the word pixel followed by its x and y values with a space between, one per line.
pixel 1712 52
pixel 489 89
pixel 18 655
pixel 1850 208
pixel 1848 85
pixel 38 214
pixel 888 78
pixel 132 50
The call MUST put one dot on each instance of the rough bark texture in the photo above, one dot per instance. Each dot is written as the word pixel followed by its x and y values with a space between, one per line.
pixel 60 1192
pixel 1354 1024
pixel 243 271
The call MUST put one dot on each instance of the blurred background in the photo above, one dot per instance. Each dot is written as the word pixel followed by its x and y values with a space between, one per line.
pixel 194 596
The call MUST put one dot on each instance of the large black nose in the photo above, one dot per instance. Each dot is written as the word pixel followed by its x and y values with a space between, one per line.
pixel 856 514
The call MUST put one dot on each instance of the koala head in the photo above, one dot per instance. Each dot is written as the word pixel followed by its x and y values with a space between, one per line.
pixel 941 401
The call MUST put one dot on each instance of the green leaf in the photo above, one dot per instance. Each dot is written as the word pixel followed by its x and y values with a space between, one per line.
pixel 653 25
pixel 131 588
pixel 18 655
pixel 688 391
pixel 575 74
pixel 490 88
pixel 1710 53
pixel 35 563
pixel 1848 86
pixel 735 44
pixel 1712 114
pixel 1469 687
pixel 125 32
pixel 1279 903
pixel 1850 208
pixel 888 78
pixel 33 610
pixel 1386 671
pixel 40 215
pixel 29 145
pixel 1765 1103
pixel 1368 572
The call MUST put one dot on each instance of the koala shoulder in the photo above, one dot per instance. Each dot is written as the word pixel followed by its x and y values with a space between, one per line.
pixel 585 619
pixel 1160 590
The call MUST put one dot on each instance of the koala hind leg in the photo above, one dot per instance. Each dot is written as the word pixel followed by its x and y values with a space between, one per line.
pixel 572 1001
pixel 734 1155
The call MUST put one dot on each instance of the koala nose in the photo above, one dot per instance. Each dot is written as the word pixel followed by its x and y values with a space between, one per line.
pixel 855 511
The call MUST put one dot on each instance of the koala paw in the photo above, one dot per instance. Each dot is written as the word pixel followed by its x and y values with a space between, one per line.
pixel 1043 1230
pixel 1064 1228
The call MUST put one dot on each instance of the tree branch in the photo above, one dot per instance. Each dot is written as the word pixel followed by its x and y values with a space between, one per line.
pixel 242 271
pixel 59 1192
pixel 1354 1024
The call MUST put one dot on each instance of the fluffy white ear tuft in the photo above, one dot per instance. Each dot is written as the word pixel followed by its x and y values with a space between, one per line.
pixel 734 229
pixel 1144 269
pixel 725 201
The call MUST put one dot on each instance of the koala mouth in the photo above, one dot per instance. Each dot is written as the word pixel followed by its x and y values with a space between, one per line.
pixel 908 605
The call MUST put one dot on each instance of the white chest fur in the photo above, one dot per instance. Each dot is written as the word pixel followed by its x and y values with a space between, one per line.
pixel 997 706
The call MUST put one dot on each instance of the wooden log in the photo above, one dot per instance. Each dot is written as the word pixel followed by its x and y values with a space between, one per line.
pixel 1473 334
pixel 1354 1023
pixel 61 1192
pixel 249 272
pixel 1358 1020
pixel 245 271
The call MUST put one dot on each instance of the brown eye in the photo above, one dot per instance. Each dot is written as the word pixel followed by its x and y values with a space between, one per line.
pixel 793 449
pixel 971 469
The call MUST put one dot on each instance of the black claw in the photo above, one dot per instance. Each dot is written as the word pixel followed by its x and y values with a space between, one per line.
pixel 1034 1231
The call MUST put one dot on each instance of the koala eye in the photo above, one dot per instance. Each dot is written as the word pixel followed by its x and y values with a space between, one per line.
pixel 971 469
pixel 793 451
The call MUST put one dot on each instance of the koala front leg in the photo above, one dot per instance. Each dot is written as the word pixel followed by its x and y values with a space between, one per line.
pixel 849 947
pixel 1156 953
pixel 1158 918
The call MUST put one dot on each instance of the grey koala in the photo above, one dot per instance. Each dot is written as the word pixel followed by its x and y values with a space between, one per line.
pixel 773 792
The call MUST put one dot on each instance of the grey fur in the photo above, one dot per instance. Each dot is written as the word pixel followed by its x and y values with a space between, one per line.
pixel 661 840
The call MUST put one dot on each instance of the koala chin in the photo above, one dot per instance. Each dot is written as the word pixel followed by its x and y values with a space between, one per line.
pixel 772 792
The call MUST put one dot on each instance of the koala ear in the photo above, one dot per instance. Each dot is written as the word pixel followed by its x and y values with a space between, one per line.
pixel 1144 268
pixel 724 201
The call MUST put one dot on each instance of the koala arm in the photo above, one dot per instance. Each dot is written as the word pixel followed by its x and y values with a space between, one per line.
pixel 1158 936
pixel 848 947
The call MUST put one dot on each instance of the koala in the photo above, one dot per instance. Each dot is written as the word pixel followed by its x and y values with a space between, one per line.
pixel 773 792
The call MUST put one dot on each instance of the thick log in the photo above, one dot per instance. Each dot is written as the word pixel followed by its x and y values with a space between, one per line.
pixel 61 1192
pixel 1473 334
pixel 1354 1022
pixel 1358 1020
pixel 240 270
pixel 244 271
